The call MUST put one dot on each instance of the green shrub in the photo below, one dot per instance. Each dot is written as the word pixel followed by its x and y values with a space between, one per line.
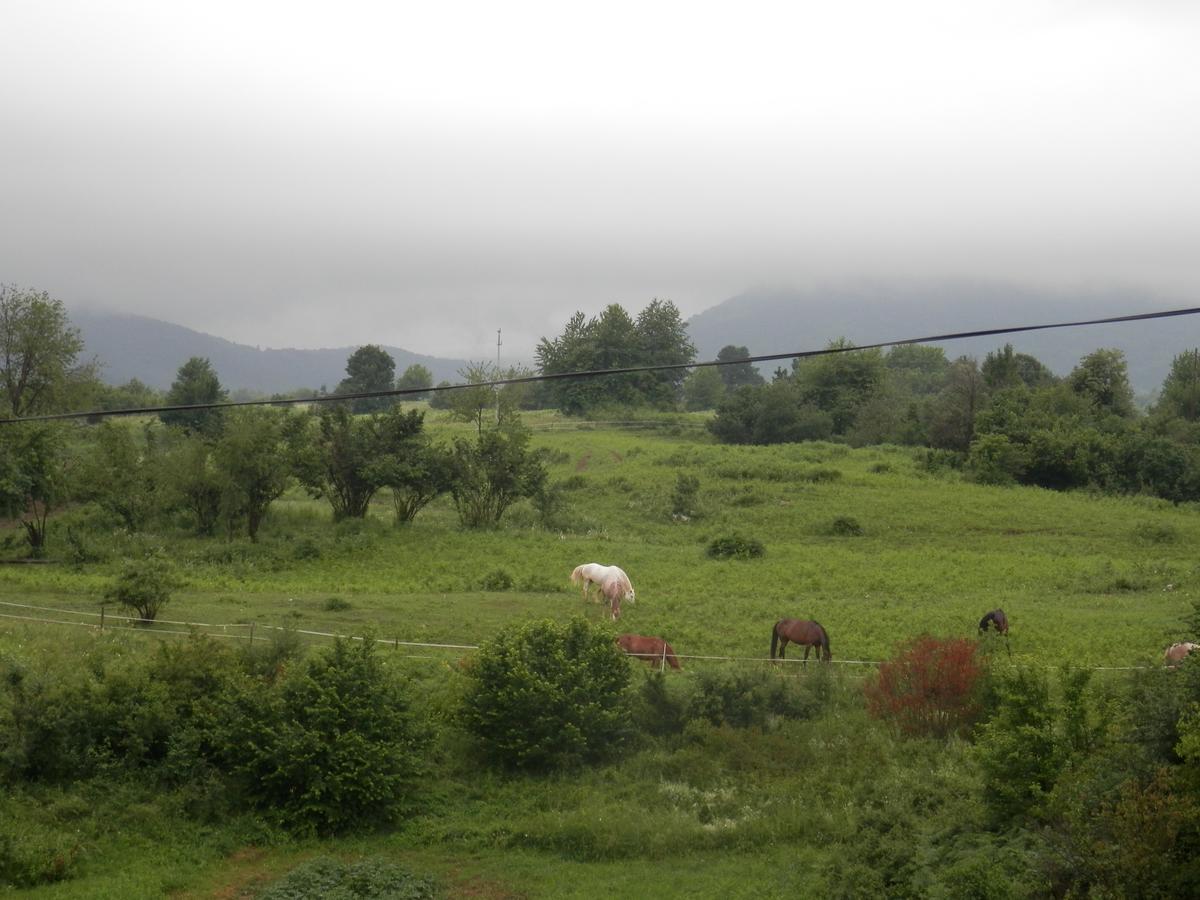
pixel 683 498
pixel 547 696
pixel 735 546
pixel 336 604
pixel 497 580
pixel 844 526
pixel 330 747
pixel 328 879
pixel 144 586
pixel 1156 533
pixel 820 476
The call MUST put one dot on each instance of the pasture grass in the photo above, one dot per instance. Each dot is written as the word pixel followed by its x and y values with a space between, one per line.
pixel 1086 580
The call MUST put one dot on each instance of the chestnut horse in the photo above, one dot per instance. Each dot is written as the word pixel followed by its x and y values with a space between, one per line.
pixel 995 619
pixel 1177 652
pixel 653 650
pixel 800 631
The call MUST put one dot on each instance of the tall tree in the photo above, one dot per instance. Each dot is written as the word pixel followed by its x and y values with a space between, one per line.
pixel 734 375
pixel 248 457
pixel 414 378
pixel 840 383
pixel 953 415
pixel 369 368
pixel 1102 377
pixel 33 476
pixel 1181 389
pixel 662 340
pixel 38 351
pixel 195 383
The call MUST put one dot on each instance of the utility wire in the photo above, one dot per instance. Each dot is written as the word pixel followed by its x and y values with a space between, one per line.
pixel 97 415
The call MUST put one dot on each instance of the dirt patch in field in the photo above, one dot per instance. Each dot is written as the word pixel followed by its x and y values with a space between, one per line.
pixel 481 887
pixel 583 461
pixel 617 456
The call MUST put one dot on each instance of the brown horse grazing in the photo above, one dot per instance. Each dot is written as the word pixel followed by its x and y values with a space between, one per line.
pixel 653 650
pixel 1177 652
pixel 995 619
pixel 800 631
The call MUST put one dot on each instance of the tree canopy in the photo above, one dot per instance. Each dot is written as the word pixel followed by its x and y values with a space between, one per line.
pixel 195 383
pixel 38 352
pixel 369 368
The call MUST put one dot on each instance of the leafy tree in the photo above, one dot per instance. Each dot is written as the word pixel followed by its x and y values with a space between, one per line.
pixel 1181 389
pixel 546 696
pixel 484 402
pixel 416 477
pixel 38 352
pixel 703 388
pixel 195 383
pixel 491 473
pixel 839 383
pixel 1102 377
pixel 769 414
pixel 662 340
pixel 133 394
pixel 414 377
pixel 917 369
pixel 191 480
pixel 33 477
pixel 613 340
pixel 734 375
pixel 120 473
pixel 369 368
pixel 144 586
pixel 346 458
pixel 952 424
pixel 248 457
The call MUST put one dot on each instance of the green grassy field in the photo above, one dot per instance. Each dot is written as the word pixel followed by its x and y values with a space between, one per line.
pixel 1086 581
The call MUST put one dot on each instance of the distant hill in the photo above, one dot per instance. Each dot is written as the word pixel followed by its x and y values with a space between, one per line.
pixel 776 320
pixel 152 351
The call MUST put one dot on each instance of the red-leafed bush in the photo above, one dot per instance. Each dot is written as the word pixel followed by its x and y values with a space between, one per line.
pixel 931 686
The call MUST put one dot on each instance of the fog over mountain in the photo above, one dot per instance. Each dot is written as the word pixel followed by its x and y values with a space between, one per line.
pixel 777 320
pixel 766 320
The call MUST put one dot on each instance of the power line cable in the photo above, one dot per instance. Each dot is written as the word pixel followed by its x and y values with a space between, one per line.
pixel 97 415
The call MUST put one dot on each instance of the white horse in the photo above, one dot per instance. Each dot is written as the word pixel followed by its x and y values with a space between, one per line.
pixel 614 585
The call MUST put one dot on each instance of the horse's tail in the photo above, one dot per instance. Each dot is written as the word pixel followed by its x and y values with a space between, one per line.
pixel 774 638
pixel 669 654
pixel 577 575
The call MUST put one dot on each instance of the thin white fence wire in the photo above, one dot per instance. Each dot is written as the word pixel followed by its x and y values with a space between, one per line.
pixel 397 643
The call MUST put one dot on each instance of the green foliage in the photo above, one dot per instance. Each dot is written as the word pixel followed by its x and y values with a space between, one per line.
pixel 930 687
pixel 1102 378
pixel 684 497
pixel 413 378
pixel 144 586
pixel 195 383
pixel 327 879
pixel 845 526
pixel 369 368
pixel 330 747
pixel 840 383
pixel 735 546
pixel 613 340
pixel 497 580
pixel 38 352
pixel 736 374
pixel 1181 390
pixel 33 477
pixel 188 479
pixel 769 414
pixel 493 472
pixel 545 696
pixel 346 459
pixel 1017 748
pixel 121 473
pixel 703 388
pixel 336 604
pixel 248 457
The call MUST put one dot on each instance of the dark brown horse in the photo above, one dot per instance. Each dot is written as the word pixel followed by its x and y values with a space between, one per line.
pixel 800 631
pixel 995 619
pixel 653 650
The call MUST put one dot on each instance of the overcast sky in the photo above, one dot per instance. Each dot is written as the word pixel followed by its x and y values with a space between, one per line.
pixel 421 174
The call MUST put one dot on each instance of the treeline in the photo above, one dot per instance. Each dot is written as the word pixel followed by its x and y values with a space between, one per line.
pixel 1008 420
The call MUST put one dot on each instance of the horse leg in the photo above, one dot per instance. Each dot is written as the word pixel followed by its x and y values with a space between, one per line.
pixel 783 642
pixel 804 664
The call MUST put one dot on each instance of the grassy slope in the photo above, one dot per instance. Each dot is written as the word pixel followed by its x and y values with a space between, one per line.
pixel 1084 581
